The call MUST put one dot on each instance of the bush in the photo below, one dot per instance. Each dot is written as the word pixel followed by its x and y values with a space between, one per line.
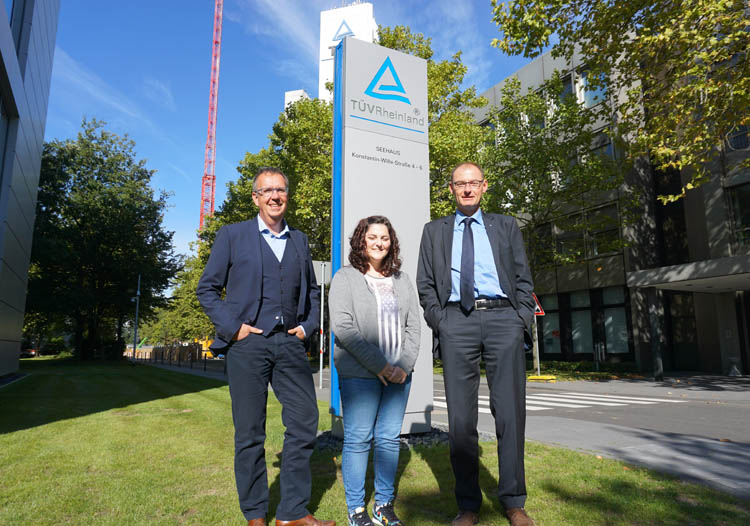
pixel 54 346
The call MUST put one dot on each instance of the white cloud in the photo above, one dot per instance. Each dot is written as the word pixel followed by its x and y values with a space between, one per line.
pixel 83 85
pixel 286 25
pixel 159 92
pixel 79 92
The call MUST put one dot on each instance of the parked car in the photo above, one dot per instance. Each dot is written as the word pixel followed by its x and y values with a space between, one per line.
pixel 28 353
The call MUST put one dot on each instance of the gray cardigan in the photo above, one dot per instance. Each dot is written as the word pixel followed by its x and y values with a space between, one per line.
pixel 354 319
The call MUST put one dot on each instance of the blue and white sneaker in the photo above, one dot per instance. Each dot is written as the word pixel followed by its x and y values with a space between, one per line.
pixel 384 515
pixel 360 518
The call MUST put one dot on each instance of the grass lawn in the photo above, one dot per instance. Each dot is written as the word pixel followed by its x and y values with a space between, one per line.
pixel 96 444
pixel 572 371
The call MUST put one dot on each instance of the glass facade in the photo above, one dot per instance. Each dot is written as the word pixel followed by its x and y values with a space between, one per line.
pixel 577 323
pixel 550 324
pixel 739 196
pixel 592 95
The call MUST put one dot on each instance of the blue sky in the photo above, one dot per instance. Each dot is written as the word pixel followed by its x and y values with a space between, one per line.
pixel 143 67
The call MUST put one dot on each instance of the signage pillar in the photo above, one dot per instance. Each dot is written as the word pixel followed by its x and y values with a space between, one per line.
pixel 381 167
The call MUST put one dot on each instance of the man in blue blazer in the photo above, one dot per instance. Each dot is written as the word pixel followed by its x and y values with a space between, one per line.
pixel 271 305
pixel 475 287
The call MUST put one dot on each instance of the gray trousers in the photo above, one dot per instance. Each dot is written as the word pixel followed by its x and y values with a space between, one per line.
pixel 251 364
pixel 496 336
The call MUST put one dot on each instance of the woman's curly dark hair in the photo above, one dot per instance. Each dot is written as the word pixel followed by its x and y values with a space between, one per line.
pixel 358 253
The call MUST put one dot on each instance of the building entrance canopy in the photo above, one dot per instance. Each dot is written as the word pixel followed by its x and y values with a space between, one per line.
pixel 713 276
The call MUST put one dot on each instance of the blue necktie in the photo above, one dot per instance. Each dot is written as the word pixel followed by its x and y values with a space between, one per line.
pixel 467 266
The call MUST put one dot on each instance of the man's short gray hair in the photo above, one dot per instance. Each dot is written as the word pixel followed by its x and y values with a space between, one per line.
pixel 269 170
pixel 467 163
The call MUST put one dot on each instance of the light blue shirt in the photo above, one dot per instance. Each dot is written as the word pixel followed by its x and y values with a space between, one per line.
pixel 486 282
pixel 277 242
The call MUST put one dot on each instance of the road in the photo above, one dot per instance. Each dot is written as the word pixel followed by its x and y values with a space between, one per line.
pixel 692 427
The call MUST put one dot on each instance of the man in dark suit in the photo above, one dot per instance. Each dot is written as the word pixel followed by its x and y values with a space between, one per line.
pixel 271 306
pixel 475 287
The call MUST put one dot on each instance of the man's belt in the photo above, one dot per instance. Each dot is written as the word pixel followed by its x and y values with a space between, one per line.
pixel 484 304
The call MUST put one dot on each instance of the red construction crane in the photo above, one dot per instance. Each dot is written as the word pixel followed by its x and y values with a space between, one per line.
pixel 208 183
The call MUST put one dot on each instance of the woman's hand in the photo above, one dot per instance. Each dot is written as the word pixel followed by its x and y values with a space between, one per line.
pixel 393 374
pixel 386 373
pixel 398 376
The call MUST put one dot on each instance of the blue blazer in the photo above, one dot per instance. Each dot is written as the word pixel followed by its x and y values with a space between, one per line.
pixel 236 264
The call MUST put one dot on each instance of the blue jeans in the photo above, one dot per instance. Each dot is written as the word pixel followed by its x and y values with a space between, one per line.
pixel 372 412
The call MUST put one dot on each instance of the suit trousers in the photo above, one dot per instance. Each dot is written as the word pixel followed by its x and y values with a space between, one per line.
pixel 495 336
pixel 252 363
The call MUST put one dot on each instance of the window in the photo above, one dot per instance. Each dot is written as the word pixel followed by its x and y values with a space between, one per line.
pixel 739 197
pixel 600 237
pixel 615 321
pixel 544 250
pixel 567 88
pixel 570 242
pixel 580 319
pixel 738 139
pixel 550 324
pixel 670 220
pixel 603 147
pixel 603 231
pixel 592 94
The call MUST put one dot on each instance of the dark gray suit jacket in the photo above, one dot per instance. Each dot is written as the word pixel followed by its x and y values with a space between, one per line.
pixel 434 270
pixel 235 264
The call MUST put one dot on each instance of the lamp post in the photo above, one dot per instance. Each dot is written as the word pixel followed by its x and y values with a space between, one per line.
pixel 137 300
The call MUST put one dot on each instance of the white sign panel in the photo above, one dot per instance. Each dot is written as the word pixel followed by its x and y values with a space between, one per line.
pixel 381 121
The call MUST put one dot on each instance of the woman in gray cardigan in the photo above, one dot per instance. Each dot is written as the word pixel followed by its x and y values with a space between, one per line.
pixel 376 322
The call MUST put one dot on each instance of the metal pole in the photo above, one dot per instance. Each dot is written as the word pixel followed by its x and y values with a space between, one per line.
pixel 535 346
pixel 322 317
pixel 137 305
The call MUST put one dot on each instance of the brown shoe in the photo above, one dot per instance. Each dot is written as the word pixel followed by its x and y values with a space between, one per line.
pixel 518 517
pixel 306 521
pixel 465 518
pixel 256 522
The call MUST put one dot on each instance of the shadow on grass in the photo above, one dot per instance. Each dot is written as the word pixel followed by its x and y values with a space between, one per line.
pixel 716 463
pixel 323 470
pixel 439 507
pixel 60 389
pixel 613 501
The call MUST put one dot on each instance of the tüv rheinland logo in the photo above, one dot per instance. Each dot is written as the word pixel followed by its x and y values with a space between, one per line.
pixel 343 31
pixel 378 88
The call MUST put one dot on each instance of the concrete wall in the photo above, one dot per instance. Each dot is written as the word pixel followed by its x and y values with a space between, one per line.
pixel 27 45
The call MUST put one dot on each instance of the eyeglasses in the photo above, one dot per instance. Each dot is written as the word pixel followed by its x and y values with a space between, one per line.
pixel 267 192
pixel 460 185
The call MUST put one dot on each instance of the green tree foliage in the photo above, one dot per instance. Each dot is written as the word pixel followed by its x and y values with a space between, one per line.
pixel 98 226
pixel 541 170
pixel 183 319
pixel 679 71
pixel 454 135
pixel 300 144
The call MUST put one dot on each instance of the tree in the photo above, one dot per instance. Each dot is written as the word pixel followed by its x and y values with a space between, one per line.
pixel 542 171
pixel 678 72
pixel 300 145
pixel 98 226
pixel 454 135
pixel 182 319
